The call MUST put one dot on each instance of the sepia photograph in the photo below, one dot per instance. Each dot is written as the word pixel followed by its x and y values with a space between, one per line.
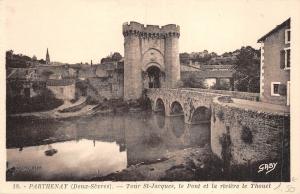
pixel 158 91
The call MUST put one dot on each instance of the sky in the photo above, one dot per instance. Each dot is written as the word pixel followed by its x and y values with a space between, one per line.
pixel 84 30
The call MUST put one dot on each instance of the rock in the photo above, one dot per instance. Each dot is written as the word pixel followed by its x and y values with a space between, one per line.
pixel 50 152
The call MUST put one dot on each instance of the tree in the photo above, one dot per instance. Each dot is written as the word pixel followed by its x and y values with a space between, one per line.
pixel 184 58
pixel 191 82
pixel 116 56
pixel 34 58
pixel 105 60
pixel 42 61
pixel 247 67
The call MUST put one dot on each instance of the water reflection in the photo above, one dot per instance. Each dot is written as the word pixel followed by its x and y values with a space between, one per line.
pixel 74 160
pixel 96 146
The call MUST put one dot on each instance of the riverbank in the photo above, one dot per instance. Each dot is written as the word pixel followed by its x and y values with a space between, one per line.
pixel 190 164
pixel 82 107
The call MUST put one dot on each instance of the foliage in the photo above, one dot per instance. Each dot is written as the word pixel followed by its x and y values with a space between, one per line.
pixel 45 100
pixel 92 101
pixel 220 115
pixel 184 58
pixel 192 82
pixel 223 85
pixel 225 142
pixel 19 60
pixel 247 69
pixel 246 135
pixel 115 57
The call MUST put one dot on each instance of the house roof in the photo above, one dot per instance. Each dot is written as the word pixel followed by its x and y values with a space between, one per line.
pixel 278 27
pixel 60 82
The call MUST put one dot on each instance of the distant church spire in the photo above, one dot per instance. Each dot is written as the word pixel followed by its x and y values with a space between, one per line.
pixel 47 57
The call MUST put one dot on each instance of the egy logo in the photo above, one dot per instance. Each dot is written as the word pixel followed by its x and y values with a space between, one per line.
pixel 268 167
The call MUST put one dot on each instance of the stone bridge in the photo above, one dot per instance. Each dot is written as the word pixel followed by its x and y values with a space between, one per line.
pixel 242 127
pixel 194 105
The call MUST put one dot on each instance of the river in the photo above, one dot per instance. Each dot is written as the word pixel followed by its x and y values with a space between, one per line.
pixel 94 146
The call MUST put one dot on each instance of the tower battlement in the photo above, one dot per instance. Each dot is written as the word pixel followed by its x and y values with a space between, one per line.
pixel 135 28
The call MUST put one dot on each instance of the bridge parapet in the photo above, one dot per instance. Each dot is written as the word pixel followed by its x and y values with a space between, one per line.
pixel 242 135
pixel 233 94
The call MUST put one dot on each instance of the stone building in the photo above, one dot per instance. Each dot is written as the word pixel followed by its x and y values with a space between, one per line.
pixel 102 81
pixel 62 88
pixel 24 82
pixel 151 57
pixel 276 64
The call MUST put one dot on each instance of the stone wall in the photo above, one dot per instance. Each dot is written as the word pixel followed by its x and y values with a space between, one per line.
pixel 99 88
pixel 251 135
pixel 233 94
pixel 63 92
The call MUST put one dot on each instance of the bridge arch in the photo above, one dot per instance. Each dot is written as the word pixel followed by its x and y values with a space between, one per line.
pixel 159 106
pixel 202 114
pixel 176 109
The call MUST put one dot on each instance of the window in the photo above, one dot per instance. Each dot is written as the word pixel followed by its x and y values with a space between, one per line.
pixel 287 58
pixel 287 36
pixel 275 89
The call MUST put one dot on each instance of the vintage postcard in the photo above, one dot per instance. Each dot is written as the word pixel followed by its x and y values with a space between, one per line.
pixel 138 96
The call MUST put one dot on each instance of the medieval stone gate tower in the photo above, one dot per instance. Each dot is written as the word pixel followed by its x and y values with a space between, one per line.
pixel 151 57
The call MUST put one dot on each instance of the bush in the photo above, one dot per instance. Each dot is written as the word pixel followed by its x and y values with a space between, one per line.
pixel 220 115
pixel 246 135
pixel 92 101
pixel 42 102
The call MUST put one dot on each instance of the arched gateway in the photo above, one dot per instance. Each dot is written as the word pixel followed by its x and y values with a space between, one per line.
pixel 151 58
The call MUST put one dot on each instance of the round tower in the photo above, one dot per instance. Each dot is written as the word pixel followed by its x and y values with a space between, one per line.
pixel 132 61
pixel 172 33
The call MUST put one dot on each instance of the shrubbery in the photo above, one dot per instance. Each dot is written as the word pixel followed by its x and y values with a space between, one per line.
pixel 42 102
